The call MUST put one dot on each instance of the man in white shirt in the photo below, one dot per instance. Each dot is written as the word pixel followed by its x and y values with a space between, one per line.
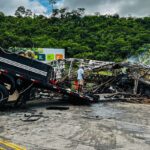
pixel 80 78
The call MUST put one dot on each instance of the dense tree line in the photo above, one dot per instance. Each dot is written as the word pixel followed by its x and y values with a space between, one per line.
pixel 102 37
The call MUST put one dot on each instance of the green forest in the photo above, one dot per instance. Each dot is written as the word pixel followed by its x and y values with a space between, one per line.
pixel 100 37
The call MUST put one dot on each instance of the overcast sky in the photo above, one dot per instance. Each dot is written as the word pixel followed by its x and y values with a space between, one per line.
pixel 138 8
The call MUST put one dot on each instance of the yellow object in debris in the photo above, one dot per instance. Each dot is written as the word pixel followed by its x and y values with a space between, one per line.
pixel 30 54
pixel 4 145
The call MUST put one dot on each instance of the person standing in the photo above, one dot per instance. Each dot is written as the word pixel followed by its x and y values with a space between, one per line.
pixel 80 78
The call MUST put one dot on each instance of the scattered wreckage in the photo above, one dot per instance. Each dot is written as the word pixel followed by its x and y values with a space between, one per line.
pixel 112 81
pixel 22 78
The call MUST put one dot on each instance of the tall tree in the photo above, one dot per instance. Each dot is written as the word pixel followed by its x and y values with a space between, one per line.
pixel 99 37
pixel 55 12
pixel 20 12
pixel 52 3
pixel 81 11
pixel 63 12
pixel 2 16
pixel 28 13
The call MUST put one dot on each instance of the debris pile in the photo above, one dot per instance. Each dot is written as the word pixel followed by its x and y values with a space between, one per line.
pixel 129 82
pixel 24 78
pixel 113 81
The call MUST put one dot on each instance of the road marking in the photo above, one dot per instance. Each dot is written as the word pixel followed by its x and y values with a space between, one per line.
pixel 10 145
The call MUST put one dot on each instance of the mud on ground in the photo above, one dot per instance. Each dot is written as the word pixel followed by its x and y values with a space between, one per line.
pixel 103 126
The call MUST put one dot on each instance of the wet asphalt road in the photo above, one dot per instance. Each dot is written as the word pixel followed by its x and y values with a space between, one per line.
pixel 102 126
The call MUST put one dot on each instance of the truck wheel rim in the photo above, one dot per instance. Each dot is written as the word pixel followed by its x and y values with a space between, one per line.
pixel 1 96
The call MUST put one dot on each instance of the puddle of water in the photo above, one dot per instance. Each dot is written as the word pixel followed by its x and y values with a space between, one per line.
pixel 106 111
pixel 123 120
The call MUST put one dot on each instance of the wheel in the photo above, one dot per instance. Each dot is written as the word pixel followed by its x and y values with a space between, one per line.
pixel 4 94
pixel 12 83
pixel 9 81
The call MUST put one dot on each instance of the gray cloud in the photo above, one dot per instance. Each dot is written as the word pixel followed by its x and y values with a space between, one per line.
pixel 9 6
pixel 137 8
pixel 123 7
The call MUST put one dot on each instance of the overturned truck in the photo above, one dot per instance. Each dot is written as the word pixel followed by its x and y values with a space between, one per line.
pixel 18 75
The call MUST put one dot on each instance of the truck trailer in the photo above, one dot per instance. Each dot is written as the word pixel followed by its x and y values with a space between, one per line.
pixel 18 75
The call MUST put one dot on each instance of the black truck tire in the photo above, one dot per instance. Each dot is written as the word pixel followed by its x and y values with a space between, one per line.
pixel 5 78
pixel 4 94
pixel 13 84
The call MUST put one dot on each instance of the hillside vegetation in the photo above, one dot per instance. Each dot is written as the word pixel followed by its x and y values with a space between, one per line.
pixel 101 37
